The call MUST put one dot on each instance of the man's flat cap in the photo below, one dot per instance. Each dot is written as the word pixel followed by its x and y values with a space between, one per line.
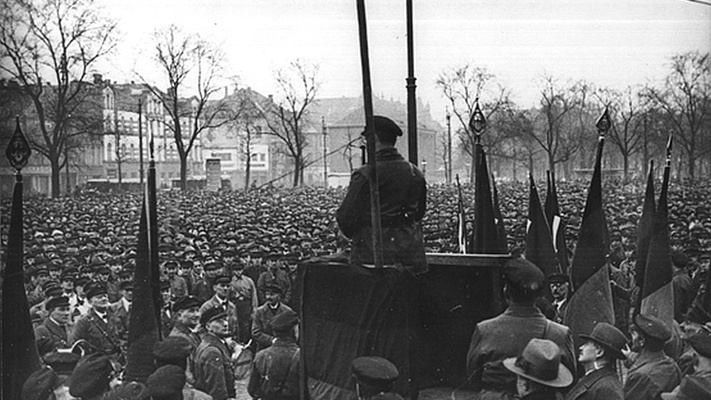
pixel 212 314
pixel 284 321
pixel 186 302
pixel 653 327
pixel 166 382
pixel 172 348
pixel 91 376
pixel 374 371
pixel 701 342
pixel 524 274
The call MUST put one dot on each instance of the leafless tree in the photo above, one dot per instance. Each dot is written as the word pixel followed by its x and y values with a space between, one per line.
pixel 190 63
pixel 49 47
pixel 685 97
pixel 553 122
pixel 287 117
pixel 463 86
pixel 627 130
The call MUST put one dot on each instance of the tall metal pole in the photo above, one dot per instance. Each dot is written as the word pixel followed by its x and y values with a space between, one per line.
pixel 411 96
pixel 370 138
pixel 449 147
pixel 66 160
pixel 140 140
pixel 325 154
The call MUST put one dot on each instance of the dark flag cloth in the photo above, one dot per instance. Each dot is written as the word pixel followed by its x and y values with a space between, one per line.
pixel 555 222
pixel 645 229
pixel 144 320
pixel 461 221
pixel 499 220
pixel 591 301
pixel 485 238
pixel 539 243
pixel 656 294
pixel 19 351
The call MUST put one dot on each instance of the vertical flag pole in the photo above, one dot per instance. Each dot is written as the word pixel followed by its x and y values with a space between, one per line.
pixel 370 138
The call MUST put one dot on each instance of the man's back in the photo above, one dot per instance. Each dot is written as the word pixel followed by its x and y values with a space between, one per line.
pixel 275 373
pixel 506 336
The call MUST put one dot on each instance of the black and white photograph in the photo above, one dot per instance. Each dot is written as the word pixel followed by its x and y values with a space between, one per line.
pixel 355 199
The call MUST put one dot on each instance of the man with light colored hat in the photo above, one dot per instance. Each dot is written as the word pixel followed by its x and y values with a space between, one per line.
pixel 653 372
pixel 539 372
pixel 508 334
pixel 598 355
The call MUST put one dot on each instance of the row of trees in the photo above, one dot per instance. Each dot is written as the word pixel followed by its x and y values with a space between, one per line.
pixel 49 48
pixel 561 129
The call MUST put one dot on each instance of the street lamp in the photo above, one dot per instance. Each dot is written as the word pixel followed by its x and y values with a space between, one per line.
pixel 139 93
pixel 424 168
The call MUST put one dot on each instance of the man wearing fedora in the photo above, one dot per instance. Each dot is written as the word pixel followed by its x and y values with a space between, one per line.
pixel 508 334
pixel 539 372
pixel 403 194
pixel 653 372
pixel 213 368
pixel 598 355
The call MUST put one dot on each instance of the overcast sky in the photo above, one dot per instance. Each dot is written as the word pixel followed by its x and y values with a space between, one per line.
pixel 611 43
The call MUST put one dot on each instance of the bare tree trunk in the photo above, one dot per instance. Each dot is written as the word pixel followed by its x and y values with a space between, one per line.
pixel 183 172
pixel 54 164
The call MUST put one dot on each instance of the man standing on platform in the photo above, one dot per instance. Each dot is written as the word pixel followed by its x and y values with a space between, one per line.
pixel 403 196
pixel 508 334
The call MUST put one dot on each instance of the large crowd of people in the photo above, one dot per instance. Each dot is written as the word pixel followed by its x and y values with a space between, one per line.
pixel 228 262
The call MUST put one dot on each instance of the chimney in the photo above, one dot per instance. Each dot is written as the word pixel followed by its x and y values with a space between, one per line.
pixel 97 79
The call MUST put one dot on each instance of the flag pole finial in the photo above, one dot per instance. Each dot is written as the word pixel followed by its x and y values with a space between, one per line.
pixel 477 122
pixel 669 148
pixel 18 148
pixel 603 123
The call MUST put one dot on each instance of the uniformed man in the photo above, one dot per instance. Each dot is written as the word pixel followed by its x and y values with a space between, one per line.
pixel 213 368
pixel 187 318
pixel 374 378
pixel 403 194
pixel 166 312
pixel 598 355
pixel 539 372
pixel 508 334
pixel 653 372
pixel 244 297
pixel 221 301
pixel 559 286
pixel 274 275
pixel 262 332
pixel 98 326
pixel 52 334
pixel 122 308
pixel 178 285
pixel 275 371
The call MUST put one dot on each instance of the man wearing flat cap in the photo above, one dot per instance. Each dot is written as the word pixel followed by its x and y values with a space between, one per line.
pixel 508 334
pixel 598 355
pixel 91 377
pixel 220 300
pixel 262 332
pixel 52 334
pixel 700 353
pixel 98 326
pixel 374 378
pixel 275 370
pixel 559 285
pixel 539 372
pixel 403 195
pixel 213 367
pixel 653 372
